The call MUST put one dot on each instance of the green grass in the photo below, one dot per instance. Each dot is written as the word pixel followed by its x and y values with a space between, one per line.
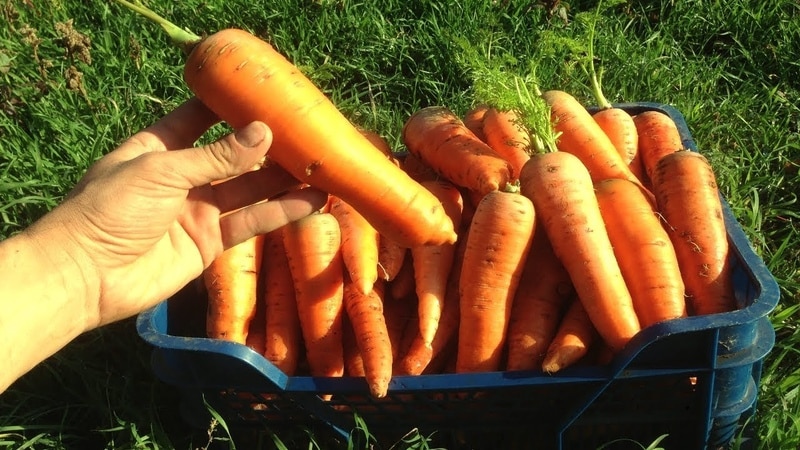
pixel 730 67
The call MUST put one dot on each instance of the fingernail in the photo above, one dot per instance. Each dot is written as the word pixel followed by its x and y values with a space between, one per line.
pixel 251 135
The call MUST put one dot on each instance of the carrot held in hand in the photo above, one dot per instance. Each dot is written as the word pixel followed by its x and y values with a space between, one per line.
pixel 313 250
pixel 497 245
pixel 231 281
pixel 441 140
pixel 243 79
pixel 644 251
pixel 688 200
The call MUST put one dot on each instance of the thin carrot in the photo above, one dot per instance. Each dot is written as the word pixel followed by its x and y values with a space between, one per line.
pixel 365 312
pixel 390 258
pixel 283 340
pixel 497 245
pixel 233 72
pixel 643 250
pixel 473 119
pixel 313 250
pixel 658 136
pixel 353 362
pixel 688 200
pixel 231 282
pixel 572 341
pixel 563 194
pixel 440 139
pixel 539 304
pixel 359 244
pixel 432 264
pixel 506 136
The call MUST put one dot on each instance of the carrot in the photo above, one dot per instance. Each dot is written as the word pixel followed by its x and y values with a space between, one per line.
pixel 256 332
pixel 231 282
pixel 403 284
pixel 359 244
pixel 497 244
pixel 235 74
pixel 582 136
pixel 390 258
pixel 658 136
pixel 473 120
pixel 572 341
pixel 313 250
pixel 353 361
pixel 543 291
pixel 398 312
pixel 563 195
pixel 440 139
pixel 688 200
pixel 643 250
pixel 283 341
pixel 432 264
pixel 505 135
pixel 418 169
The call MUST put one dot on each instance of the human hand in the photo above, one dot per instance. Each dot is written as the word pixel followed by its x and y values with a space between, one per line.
pixel 145 219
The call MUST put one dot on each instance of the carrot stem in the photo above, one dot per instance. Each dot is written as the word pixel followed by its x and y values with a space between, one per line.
pixel 184 39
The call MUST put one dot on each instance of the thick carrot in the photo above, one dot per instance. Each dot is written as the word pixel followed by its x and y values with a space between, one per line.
pixel 231 282
pixel 507 137
pixel 658 136
pixel 359 245
pixel 283 341
pixel 582 136
pixel 313 249
pixel 432 264
pixel 688 200
pixel 473 119
pixel 644 251
pixel 563 194
pixel 497 245
pixel 242 79
pixel 572 341
pixel 542 294
pixel 440 139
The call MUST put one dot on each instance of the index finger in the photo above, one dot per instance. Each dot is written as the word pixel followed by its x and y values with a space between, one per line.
pixel 179 129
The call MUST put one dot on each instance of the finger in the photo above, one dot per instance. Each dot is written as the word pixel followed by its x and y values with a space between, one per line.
pixel 179 129
pixel 228 157
pixel 264 217
pixel 252 187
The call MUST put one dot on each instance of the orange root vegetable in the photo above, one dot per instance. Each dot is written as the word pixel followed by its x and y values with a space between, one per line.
pixel 234 74
pixel 688 200
pixel 359 245
pixel 644 251
pixel 544 290
pixel 353 362
pixel 365 313
pixel 231 282
pixel 473 120
pixel 398 312
pixel 390 258
pixel 497 245
pixel 440 139
pixel 620 129
pixel 658 136
pixel 403 284
pixel 418 169
pixel 313 250
pixel 432 264
pixel 283 341
pixel 507 137
pixel 582 136
pixel 563 194
pixel 572 341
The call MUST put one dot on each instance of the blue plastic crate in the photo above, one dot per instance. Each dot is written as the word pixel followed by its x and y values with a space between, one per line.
pixel 694 379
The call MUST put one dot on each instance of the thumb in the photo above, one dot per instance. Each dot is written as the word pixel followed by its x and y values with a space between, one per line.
pixel 227 157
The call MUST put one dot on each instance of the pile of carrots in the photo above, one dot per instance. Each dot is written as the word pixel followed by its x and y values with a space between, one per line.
pixel 561 256
pixel 529 237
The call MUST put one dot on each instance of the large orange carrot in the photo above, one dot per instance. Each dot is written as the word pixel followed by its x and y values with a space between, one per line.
pixel 432 264
pixel 231 282
pixel 440 139
pixel 582 136
pixel 497 245
pixel 543 291
pixel 644 251
pixel 688 200
pixel 658 136
pixel 563 193
pixel 243 79
pixel 507 137
pixel 359 245
pixel 365 312
pixel 283 341
pixel 575 335
pixel 313 249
